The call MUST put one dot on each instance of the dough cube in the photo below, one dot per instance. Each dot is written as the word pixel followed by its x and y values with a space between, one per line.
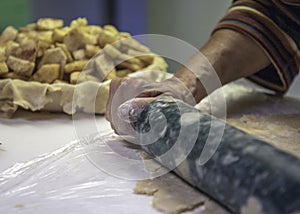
pixel 107 37
pixel 46 36
pixel 27 50
pixel 91 50
pixel 77 39
pixel 53 56
pixel 49 24
pixel 13 75
pixel 123 73
pixel 60 33
pixel 74 77
pixel 9 34
pixel 3 68
pixel 146 58
pixel 75 66
pixel 20 66
pixel 47 73
pixel 2 54
pixel 79 54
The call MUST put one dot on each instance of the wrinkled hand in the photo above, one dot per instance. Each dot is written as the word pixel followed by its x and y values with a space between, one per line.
pixel 129 96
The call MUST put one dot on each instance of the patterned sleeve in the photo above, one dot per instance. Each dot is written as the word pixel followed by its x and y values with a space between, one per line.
pixel 275 26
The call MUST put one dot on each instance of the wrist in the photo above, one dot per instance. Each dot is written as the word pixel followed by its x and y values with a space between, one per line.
pixel 191 82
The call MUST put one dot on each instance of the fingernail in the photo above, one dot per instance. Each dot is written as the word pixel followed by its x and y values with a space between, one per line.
pixel 134 114
pixel 129 112
pixel 123 111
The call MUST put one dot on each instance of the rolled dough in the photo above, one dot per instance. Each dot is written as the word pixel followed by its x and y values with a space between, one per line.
pixel 173 195
pixel 282 131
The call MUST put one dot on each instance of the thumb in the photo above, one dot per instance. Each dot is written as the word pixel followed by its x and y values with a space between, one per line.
pixel 130 110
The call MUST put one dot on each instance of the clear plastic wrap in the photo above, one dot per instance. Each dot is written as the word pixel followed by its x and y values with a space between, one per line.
pixel 68 181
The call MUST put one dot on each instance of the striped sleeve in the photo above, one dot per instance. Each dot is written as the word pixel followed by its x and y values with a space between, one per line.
pixel 275 26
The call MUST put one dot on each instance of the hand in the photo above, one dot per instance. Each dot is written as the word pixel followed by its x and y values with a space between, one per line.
pixel 129 96
pixel 222 52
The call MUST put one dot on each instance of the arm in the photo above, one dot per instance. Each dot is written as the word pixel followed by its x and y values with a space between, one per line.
pixel 225 51
pixel 274 26
pixel 231 54
pixel 254 39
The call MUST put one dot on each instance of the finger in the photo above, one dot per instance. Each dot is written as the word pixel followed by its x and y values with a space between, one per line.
pixel 131 109
pixel 114 85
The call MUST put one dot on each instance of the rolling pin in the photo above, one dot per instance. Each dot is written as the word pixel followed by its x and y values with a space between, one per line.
pixel 244 173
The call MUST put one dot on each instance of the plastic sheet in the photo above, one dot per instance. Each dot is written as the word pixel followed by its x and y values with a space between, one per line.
pixel 68 181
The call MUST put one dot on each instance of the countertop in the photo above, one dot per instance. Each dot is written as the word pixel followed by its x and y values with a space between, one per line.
pixel 28 135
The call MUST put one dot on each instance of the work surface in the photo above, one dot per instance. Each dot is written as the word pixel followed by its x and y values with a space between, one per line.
pixel 28 135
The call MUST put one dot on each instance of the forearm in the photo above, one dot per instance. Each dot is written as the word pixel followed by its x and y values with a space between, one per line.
pixel 232 56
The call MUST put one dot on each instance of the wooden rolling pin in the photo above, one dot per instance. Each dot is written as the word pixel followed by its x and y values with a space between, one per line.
pixel 245 174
